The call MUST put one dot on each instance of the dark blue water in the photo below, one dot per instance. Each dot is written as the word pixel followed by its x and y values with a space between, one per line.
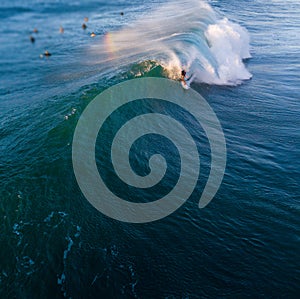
pixel 54 243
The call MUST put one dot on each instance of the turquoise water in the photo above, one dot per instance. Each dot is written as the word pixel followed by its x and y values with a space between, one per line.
pixel 54 243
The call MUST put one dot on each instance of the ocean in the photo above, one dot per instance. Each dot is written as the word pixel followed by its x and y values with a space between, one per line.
pixel 243 59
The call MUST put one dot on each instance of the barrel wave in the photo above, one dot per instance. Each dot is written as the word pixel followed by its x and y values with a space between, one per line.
pixel 196 38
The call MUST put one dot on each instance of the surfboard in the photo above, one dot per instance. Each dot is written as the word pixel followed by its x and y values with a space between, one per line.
pixel 185 85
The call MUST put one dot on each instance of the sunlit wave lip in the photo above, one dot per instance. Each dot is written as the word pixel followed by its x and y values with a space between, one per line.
pixel 195 38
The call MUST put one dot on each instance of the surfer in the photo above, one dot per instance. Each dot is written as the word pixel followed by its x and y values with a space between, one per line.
pixel 185 82
pixel 182 78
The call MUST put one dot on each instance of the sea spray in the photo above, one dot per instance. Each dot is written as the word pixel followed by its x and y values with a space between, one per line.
pixel 179 35
pixel 229 43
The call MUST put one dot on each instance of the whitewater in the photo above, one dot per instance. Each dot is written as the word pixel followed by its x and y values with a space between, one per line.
pixel 245 243
pixel 195 38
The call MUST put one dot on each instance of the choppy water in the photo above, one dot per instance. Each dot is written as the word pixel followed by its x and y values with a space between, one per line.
pixel 245 243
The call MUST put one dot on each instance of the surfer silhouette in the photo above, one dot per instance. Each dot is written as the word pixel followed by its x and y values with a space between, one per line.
pixel 185 82
pixel 182 78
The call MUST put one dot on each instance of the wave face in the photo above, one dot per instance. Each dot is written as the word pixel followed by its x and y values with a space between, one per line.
pixel 179 35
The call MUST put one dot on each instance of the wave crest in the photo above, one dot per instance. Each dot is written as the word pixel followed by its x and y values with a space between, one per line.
pixel 181 34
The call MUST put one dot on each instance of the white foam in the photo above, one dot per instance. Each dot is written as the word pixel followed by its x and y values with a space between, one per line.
pixel 180 34
pixel 229 44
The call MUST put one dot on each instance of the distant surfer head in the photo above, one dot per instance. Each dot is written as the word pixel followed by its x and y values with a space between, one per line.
pixel 183 73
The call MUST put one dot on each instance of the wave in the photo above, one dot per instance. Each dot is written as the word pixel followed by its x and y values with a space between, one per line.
pixel 179 35
pixel 10 11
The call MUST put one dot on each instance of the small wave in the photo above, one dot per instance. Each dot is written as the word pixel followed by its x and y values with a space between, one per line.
pixel 9 11
pixel 181 34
